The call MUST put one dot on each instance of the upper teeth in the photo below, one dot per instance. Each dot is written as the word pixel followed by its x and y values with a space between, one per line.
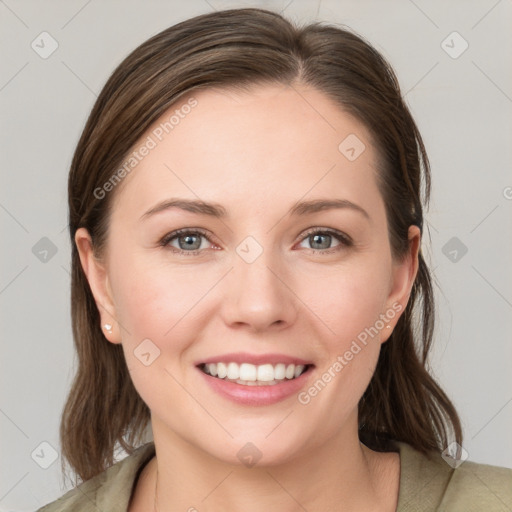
pixel 251 372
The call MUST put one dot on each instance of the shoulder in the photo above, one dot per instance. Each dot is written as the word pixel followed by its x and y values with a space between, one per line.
pixel 433 482
pixel 475 486
pixel 110 490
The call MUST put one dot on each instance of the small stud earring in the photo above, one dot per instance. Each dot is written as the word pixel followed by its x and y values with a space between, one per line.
pixel 108 328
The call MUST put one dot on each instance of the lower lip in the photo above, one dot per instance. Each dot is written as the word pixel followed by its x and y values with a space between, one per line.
pixel 256 395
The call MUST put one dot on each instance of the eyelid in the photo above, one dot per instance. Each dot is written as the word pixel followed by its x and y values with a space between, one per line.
pixel 166 239
pixel 344 239
pixel 340 236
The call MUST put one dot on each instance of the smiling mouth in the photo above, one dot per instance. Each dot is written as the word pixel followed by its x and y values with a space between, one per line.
pixel 248 374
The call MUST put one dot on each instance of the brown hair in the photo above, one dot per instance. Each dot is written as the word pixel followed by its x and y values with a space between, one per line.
pixel 240 48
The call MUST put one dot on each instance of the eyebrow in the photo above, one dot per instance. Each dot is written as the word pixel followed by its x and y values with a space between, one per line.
pixel 218 211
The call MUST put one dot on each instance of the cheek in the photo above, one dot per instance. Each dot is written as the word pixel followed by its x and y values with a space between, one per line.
pixel 348 300
pixel 166 305
pixel 151 299
pixel 155 306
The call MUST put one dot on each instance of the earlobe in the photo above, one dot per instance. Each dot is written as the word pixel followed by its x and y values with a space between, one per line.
pixel 404 275
pixel 98 280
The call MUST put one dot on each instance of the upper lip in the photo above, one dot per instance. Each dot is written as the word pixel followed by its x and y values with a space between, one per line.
pixel 256 359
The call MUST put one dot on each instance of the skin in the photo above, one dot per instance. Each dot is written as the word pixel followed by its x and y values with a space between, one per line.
pixel 256 153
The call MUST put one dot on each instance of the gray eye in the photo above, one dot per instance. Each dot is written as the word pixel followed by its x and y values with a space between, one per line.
pixel 320 241
pixel 189 242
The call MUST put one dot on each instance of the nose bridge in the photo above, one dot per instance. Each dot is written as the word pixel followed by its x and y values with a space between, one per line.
pixel 257 295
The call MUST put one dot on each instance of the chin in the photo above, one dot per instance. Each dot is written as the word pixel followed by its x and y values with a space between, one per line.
pixel 253 448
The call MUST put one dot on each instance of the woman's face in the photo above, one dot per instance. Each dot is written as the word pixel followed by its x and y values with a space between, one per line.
pixel 282 259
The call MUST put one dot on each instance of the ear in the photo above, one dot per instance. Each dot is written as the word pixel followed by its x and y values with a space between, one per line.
pixel 97 277
pixel 403 277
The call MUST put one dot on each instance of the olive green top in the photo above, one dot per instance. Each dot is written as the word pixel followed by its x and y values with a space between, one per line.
pixel 426 484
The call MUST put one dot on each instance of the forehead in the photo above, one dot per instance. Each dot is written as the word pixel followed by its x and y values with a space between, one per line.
pixel 268 142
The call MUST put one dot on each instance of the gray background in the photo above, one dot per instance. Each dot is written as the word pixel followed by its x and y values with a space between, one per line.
pixel 462 105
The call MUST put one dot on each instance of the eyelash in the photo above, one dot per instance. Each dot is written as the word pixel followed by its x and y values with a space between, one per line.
pixel 345 240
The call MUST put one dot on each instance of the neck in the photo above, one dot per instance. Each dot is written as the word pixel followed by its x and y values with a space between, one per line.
pixel 340 475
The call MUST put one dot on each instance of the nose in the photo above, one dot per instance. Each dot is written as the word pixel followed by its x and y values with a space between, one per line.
pixel 258 295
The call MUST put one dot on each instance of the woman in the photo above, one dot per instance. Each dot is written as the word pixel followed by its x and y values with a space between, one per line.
pixel 246 218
